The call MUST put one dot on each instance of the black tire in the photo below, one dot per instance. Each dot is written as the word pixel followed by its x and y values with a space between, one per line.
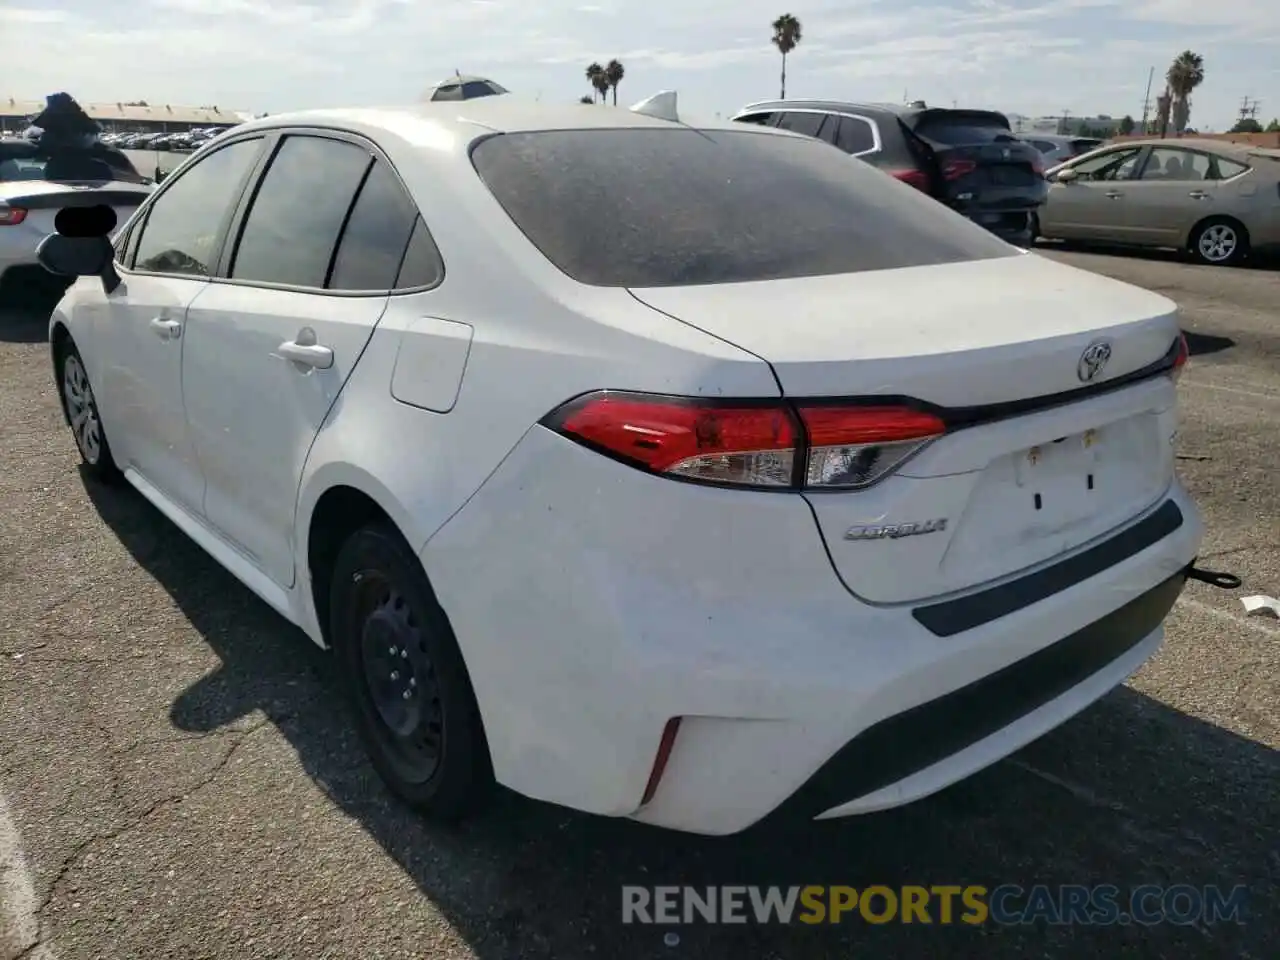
pixel 1219 242
pixel 80 407
pixel 419 722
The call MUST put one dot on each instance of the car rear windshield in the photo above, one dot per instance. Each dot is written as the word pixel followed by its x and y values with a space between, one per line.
pixel 681 207
pixel 963 128
pixel 69 166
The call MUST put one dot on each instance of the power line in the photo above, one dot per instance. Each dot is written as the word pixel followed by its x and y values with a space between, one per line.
pixel 1249 108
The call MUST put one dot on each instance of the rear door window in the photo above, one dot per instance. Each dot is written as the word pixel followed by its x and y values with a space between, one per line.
pixel 673 207
pixel 809 124
pixel 291 231
pixel 855 135
pixel 377 232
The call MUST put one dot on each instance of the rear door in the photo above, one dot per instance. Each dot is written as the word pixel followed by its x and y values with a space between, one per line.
pixel 270 344
pixel 1173 190
pixel 986 170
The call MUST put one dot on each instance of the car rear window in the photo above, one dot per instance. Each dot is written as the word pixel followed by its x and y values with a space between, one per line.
pixel 681 207
pixel 70 166
pixel 963 128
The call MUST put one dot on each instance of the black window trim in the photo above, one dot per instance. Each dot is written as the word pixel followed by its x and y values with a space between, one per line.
pixel 277 135
pixel 143 216
pixel 875 127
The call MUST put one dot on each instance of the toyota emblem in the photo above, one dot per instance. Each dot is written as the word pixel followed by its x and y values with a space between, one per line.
pixel 1093 359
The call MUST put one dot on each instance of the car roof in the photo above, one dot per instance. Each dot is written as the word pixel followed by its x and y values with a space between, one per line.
pixel 1194 143
pixel 433 123
pixel 909 114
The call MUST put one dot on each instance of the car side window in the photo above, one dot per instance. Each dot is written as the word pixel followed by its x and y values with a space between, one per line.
pixel 762 119
pixel 1224 169
pixel 376 235
pixel 1117 165
pixel 807 123
pixel 1172 164
pixel 291 231
pixel 855 136
pixel 1044 146
pixel 422 266
pixel 183 224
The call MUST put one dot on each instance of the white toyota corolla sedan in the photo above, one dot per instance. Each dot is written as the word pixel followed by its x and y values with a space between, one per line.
pixel 697 475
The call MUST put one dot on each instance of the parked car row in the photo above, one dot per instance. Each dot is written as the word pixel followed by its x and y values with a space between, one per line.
pixel 689 474
pixel 187 140
pixel 1215 199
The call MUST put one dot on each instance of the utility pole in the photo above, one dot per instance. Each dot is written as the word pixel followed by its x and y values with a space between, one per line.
pixel 1146 101
pixel 1248 109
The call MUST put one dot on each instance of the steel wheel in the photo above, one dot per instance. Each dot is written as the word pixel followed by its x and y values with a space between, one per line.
pixel 400 678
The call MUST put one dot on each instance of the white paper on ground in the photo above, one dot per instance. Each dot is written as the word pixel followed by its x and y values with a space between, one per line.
pixel 1260 605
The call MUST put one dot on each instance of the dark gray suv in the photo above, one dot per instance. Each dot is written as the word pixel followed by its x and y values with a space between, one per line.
pixel 969 160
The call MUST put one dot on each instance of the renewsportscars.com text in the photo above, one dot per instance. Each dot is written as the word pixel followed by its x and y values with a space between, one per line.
pixel 973 905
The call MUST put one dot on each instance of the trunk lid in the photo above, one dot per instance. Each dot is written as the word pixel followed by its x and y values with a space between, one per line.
pixel 42 199
pixel 1039 463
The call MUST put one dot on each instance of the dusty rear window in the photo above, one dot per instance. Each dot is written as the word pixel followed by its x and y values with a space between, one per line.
pixel 679 207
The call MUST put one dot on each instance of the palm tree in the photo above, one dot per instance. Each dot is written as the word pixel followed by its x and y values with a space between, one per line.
pixel 1184 75
pixel 614 73
pixel 786 37
pixel 594 73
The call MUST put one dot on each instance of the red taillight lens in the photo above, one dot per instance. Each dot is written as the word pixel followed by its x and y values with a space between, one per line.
pixel 769 444
pixel 1182 356
pixel 12 216
pixel 955 169
pixel 916 178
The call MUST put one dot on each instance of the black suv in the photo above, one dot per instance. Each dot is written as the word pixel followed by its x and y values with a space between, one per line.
pixel 968 159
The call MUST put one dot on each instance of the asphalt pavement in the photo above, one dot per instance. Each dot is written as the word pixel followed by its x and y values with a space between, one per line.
pixel 178 779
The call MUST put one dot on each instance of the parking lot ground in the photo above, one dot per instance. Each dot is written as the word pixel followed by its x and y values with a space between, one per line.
pixel 177 778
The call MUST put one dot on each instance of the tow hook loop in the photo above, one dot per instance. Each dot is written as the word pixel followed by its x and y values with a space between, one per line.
pixel 1224 581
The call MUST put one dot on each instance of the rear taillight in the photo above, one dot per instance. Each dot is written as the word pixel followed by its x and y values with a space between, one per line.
pixel 955 169
pixel 916 178
pixel 1182 356
pixel 12 216
pixel 1037 165
pixel 762 444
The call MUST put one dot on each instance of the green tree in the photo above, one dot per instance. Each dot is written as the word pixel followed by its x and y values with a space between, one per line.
pixel 1246 125
pixel 614 72
pixel 1273 126
pixel 586 99
pixel 1127 125
pixel 1183 76
pixel 595 75
pixel 786 37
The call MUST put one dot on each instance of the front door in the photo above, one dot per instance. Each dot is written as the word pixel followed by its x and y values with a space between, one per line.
pixel 166 265
pixel 1091 207
pixel 270 347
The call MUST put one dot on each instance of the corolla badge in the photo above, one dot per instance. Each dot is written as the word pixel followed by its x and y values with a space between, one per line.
pixel 895 531
pixel 1093 359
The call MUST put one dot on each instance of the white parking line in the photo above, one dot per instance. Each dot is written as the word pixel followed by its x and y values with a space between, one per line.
pixel 19 925
pixel 1257 626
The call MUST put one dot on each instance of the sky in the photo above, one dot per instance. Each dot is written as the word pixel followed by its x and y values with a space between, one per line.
pixel 1029 57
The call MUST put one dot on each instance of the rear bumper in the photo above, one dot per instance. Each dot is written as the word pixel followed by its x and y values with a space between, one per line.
pixel 594 603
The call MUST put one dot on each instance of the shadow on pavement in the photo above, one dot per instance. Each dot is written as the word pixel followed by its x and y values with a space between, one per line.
pixel 1129 793
pixel 1202 344
pixel 27 297
pixel 1266 260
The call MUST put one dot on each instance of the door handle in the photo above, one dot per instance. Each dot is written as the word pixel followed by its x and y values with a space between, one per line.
pixel 1198 195
pixel 166 329
pixel 306 354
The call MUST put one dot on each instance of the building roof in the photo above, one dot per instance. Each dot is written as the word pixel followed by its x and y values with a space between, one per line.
pixel 127 113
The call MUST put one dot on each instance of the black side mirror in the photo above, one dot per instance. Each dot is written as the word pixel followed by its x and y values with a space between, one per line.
pixel 82 246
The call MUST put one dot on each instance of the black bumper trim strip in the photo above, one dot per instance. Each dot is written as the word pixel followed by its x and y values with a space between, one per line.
pixel 908 742
pixel 951 617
